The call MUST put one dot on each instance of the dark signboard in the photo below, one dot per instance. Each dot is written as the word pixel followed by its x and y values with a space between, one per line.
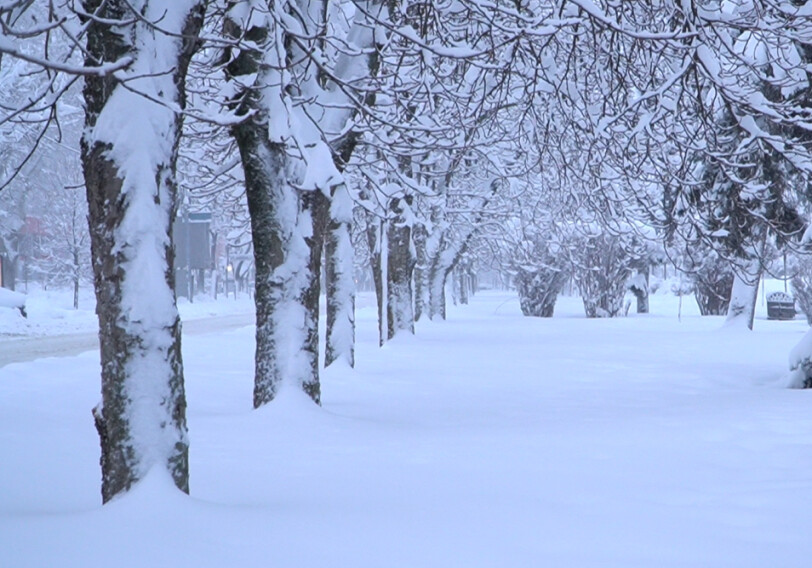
pixel 192 237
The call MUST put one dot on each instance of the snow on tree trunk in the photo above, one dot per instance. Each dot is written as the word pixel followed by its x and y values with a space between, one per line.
pixel 375 235
pixel 711 277
pixel 639 287
pixel 455 287
pixel 75 276
pixel 282 259
pixel 129 152
pixel 800 363
pixel 743 297
pixel 284 218
pixel 316 207
pixel 400 264
pixel 603 267
pixel 352 66
pixel 443 257
pixel 421 271
pixel 444 252
pixel 437 301
pixel 538 290
pixel 802 285
pixel 340 341
pixel 602 295
pixel 713 296
pixel 641 295
pixel 441 265
pixel 464 285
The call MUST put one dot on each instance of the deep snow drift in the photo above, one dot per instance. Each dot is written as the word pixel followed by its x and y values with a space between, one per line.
pixel 486 440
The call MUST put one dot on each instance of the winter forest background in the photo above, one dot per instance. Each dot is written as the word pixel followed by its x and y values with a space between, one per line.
pixel 417 150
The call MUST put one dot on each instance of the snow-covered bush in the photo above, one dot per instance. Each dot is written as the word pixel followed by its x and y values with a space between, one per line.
pixel 539 285
pixel 712 277
pixel 602 263
pixel 539 267
pixel 638 285
pixel 802 285
pixel 11 299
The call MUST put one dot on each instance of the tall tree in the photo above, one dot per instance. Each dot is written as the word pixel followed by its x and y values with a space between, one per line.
pixel 299 81
pixel 129 152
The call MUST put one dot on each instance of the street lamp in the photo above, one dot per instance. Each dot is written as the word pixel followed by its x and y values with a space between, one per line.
pixel 229 271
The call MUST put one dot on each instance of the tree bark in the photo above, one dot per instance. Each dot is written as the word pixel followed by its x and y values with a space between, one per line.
pixel 743 297
pixel 287 244
pixel 375 232
pixel 286 287
pixel 340 281
pixel 538 290
pixel 421 271
pixel 438 273
pixel 141 419
pixel 76 281
pixel 10 272
pixel 400 266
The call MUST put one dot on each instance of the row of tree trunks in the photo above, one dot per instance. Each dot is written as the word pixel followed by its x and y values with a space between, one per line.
pixel 465 282
pixel 417 268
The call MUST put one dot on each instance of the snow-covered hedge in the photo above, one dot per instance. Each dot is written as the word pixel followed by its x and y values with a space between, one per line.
pixel 802 285
pixel 538 288
pixel 603 263
pixel 540 271
pixel 712 277
pixel 11 299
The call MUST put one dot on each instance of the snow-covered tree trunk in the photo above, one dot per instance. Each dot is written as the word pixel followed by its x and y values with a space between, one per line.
pixel 129 153
pixel 10 271
pixel 802 285
pixel 603 292
pixel 463 283
pixel 602 266
pixel 375 234
pixel 538 290
pixel 713 282
pixel 421 272
pixel 640 288
pixel 353 66
pixel 444 251
pixel 285 169
pixel 439 269
pixel 285 317
pixel 641 295
pixel 743 297
pixel 338 254
pixel 316 207
pixel 76 278
pixel 400 267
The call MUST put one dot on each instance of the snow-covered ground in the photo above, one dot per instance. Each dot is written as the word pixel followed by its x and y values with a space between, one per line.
pixel 486 440
pixel 50 312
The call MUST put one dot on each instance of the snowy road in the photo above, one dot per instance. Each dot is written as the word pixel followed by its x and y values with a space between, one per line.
pixel 18 350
